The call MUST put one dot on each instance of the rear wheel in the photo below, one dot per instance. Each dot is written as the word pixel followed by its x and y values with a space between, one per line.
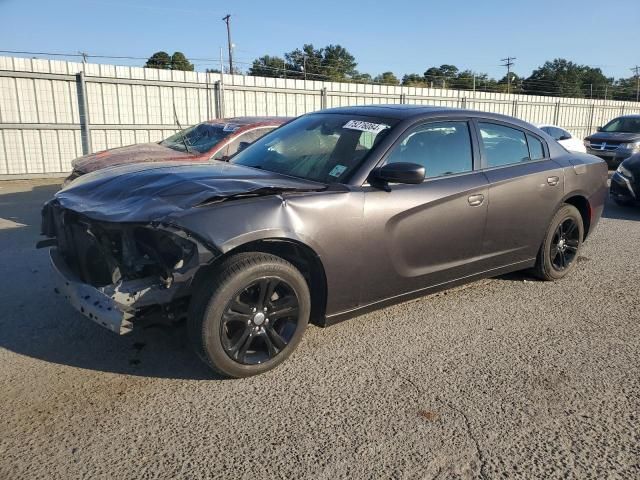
pixel 559 251
pixel 250 315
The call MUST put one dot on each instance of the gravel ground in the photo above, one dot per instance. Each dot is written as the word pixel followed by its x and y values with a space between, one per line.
pixel 507 377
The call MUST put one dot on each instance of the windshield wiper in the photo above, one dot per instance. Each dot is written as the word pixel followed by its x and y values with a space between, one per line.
pixel 184 140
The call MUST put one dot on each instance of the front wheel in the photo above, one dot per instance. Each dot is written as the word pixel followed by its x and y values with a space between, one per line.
pixel 250 315
pixel 559 251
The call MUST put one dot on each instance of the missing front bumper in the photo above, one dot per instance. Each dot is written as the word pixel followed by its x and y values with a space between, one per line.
pixel 92 302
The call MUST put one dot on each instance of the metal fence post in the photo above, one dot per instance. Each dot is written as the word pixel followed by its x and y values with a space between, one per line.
pixel 556 114
pixel 83 110
pixel 463 102
pixel 403 99
pixel 217 96
pixel 593 108
pixel 323 97
pixel 514 109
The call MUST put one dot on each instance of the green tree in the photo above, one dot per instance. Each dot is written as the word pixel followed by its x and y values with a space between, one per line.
pixel 308 59
pixel 413 80
pixel 624 89
pixel 268 66
pixel 333 62
pixel 433 76
pixel 180 62
pixel 387 78
pixel 515 86
pixel 564 78
pixel 441 76
pixel 160 60
pixel 464 80
pixel 337 62
pixel 361 77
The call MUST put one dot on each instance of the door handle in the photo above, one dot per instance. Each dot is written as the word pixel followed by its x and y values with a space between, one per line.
pixel 476 200
pixel 553 181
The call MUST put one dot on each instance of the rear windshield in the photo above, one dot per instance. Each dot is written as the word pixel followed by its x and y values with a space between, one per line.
pixel 623 124
pixel 321 147
pixel 200 138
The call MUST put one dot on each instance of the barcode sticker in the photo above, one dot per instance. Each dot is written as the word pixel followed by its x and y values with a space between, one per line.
pixel 365 126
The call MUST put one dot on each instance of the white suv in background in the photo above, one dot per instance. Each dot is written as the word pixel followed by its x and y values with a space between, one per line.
pixel 564 138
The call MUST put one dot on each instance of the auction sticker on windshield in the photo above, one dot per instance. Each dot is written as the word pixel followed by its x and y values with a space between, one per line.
pixel 365 126
pixel 229 127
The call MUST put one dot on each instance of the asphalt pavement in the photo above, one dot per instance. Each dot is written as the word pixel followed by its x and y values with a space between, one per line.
pixel 503 378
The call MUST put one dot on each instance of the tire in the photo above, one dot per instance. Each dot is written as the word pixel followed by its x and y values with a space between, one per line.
pixel 227 328
pixel 553 253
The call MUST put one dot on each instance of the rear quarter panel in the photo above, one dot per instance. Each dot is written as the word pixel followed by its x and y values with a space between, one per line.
pixel 586 175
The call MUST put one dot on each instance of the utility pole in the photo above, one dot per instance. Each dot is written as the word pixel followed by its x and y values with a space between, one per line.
pixel 227 20
pixel 636 70
pixel 508 62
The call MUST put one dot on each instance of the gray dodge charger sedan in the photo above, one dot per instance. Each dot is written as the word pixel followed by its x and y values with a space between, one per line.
pixel 338 212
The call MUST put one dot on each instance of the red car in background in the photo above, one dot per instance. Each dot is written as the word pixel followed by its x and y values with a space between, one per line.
pixel 212 140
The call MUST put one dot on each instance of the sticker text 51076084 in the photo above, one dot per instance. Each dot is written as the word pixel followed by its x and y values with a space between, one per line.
pixel 365 126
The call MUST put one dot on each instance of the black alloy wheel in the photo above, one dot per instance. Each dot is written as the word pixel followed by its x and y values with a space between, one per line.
pixel 564 245
pixel 260 321
pixel 560 249
pixel 248 314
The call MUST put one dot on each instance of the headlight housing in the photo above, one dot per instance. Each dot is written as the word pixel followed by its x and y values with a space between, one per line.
pixel 630 146
pixel 624 172
pixel 586 143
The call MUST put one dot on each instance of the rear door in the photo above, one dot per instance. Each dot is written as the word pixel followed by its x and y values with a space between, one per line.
pixel 525 188
pixel 417 236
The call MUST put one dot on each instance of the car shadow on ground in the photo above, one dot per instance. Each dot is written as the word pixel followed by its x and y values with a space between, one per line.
pixel 618 212
pixel 38 323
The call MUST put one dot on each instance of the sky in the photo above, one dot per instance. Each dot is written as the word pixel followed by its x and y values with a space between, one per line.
pixel 404 36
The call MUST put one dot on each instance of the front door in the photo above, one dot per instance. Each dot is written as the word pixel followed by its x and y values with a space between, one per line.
pixel 416 236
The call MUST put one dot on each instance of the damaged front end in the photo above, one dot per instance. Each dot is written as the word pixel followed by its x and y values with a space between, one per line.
pixel 118 274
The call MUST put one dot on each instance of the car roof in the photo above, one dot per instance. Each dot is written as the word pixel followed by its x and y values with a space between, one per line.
pixel 408 112
pixel 242 121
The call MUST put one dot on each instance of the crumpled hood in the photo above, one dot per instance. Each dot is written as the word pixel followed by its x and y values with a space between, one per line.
pixel 153 192
pixel 615 136
pixel 145 152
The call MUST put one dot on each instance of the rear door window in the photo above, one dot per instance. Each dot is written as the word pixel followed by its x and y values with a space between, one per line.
pixel 502 145
pixel 536 150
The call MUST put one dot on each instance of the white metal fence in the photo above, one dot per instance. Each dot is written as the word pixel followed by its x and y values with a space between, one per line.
pixel 53 111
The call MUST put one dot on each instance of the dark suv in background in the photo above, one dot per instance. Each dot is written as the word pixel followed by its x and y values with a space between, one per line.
pixel 616 141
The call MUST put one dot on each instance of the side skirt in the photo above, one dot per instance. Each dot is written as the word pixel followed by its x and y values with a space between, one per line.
pixel 346 315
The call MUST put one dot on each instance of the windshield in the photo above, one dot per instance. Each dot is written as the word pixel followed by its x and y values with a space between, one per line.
pixel 324 148
pixel 199 138
pixel 623 124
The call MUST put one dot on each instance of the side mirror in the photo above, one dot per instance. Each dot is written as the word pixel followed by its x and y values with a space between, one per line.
pixel 599 129
pixel 242 146
pixel 401 172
